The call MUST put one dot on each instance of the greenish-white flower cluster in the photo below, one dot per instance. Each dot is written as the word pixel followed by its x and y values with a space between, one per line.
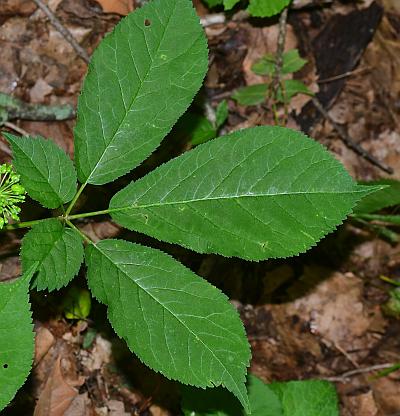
pixel 11 194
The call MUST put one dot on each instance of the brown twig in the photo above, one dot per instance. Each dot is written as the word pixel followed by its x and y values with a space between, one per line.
pixel 63 30
pixel 349 142
pixel 344 75
pixel 276 80
pixel 344 377
pixel 14 127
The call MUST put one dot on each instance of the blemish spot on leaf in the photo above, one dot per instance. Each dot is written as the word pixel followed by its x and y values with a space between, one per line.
pixel 147 22
pixel 5 366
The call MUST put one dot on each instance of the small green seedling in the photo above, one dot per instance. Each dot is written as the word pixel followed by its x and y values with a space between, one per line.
pixel 287 89
pixel 199 128
pixel 258 193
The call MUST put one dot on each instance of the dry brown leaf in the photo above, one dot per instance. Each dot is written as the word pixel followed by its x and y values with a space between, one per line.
pixel 40 90
pixel 116 408
pixel 44 340
pixel 57 394
pixel 13 7
pixel 80 406
pixel 335 308
pixel 362 404
pixel 122 7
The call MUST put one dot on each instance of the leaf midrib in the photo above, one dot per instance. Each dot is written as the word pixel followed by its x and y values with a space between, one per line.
pixel 142 82
pixel 230 197
pixel 167 309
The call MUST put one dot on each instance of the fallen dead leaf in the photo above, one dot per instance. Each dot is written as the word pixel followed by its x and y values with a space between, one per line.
pixel 117 408
pixel 58 393
pixel 80 406
pixel 98 356
pixel 335 308
pixel 122 7
pixel 361 405
pixel 44 340
pixel 386 393
pixel 20 7
pixel 40 90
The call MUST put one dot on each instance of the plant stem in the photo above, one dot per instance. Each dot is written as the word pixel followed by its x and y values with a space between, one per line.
pixel 389 219
pixel 76 197
pixel 19 225
pixel 92 214
pixel 277 81
pixel 84 236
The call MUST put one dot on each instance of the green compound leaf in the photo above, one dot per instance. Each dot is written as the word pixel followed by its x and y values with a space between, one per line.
pixel 294 398
pixel 142 77
pixel 16 336
pixel 257 193
pixel 175 322
pixel 251 95
pixel 57 250
pixel 47 173
pixel 266 8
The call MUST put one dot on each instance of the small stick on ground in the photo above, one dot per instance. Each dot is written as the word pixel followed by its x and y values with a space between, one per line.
pixel 349 142
pixel 276 81
pixel 63 30
pixel 14 127
pixel 212 19
pixel 344 378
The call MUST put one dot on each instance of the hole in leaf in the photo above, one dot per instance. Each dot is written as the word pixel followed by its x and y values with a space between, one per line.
pixel 147 22
pixel 5 366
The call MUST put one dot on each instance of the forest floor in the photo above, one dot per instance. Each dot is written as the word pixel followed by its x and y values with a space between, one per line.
pixel 323 314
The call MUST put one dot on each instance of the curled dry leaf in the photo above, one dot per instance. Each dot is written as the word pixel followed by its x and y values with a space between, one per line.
pixel 58 393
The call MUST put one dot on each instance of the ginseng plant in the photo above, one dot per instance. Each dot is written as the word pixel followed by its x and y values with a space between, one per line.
pixel 258 193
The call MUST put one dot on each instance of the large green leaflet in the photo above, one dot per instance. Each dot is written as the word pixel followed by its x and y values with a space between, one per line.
pixel 47 173
pixel 141 78
pixel 294 398
pixel 257 193
pixel 16 336
pixel 58 251
pixel 175 322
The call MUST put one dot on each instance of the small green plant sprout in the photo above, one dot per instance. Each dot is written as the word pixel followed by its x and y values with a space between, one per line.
pixel 256 8
pixel 12 194
pixel 258 193
pixel 200 128
pixel 287 88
